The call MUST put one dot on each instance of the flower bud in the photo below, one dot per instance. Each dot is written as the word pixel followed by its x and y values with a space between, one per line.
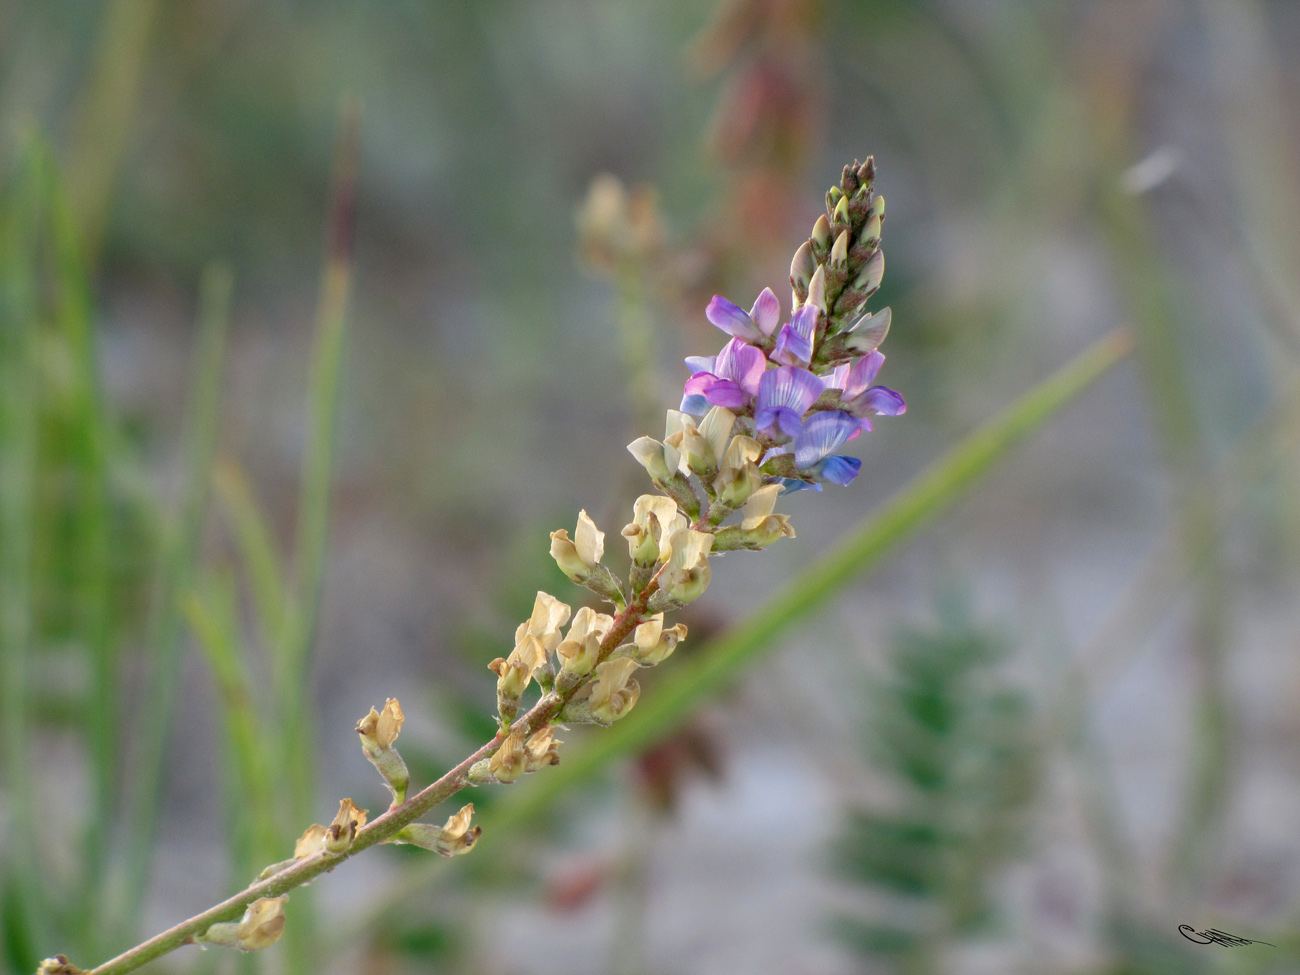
pixel 654 644
pixel 833 197
pixel 802 268
pixel 510 760
pixel 868 332
pixel 614 693
pixel 870 235
pixel 873 271
pixel 821 233
pixel 817 289
pixel 841 214
pixel 840 252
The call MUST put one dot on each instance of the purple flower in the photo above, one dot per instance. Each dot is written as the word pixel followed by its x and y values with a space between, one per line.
pixel 794 343
pixel 821 434
pixel 754 327
pixel 730 379
pixel 784 395
pixel 859 397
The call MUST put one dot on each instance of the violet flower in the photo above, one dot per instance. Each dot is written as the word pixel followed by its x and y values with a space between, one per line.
pixel 821 434
pixel 730 379
pixel 784 395
pixel 859 397
pixel 794 343
pixel 754 327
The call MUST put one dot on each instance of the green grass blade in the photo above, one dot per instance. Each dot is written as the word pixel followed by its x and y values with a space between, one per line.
pixel 176 574
pixel 96 622
pixel 250 817
pixel 22 891
pixel 299 632
pixel 912 508
pixel 107 106
pixel 257 551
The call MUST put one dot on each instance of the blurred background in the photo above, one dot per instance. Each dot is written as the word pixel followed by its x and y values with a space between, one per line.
pixel 1058 723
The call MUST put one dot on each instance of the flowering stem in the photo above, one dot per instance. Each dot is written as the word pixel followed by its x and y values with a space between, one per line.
pixel 382 828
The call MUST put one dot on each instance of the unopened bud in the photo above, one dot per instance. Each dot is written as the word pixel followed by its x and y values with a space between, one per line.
pixel 841 214
pixel 614 693
pixel 873 271
pixel 870 235
pixel 817 289
pixel 801 269
pixel 821 233
pixel 654 644
pixel 833 197
pixel 840 252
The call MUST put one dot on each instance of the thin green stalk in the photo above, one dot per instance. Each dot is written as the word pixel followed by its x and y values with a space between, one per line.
pixel 249 792
pixel 257 549
pixel 96 620
pixel 103 121
pixel 23 893
pixel 1164 371
pixel 176 575
pixel 293 653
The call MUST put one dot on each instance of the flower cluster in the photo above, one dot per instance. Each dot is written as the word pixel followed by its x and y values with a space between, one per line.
pixel 804 389
pixel 759 419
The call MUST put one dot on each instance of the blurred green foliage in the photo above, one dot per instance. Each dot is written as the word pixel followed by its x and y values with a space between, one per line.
pixel 954 741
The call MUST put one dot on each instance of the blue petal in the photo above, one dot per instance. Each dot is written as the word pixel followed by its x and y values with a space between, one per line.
pixel 791 387
pixel 694 404
pixel 839 469
pixel 792 485
pixel 701 363
pixel 821 434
